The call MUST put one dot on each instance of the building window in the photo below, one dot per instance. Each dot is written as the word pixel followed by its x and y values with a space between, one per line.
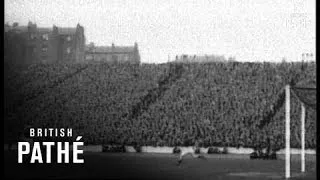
pixel 45 37
pixel 32 36
pixel 44 49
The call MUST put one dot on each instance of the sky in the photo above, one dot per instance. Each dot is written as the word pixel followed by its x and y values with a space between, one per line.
pixel 249 30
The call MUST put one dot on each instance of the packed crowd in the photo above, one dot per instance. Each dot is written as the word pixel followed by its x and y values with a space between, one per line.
pixel 217 104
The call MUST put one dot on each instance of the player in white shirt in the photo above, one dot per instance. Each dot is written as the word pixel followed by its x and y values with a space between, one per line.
pixel 184 151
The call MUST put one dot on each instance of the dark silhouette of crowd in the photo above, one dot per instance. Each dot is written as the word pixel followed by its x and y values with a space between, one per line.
pixel 218 104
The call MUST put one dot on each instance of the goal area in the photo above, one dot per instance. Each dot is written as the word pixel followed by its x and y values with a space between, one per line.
pixel 307 98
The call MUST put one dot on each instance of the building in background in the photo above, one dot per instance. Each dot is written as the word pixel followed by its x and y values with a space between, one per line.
pixel 72 44
pixel 32 44
pixel 114 54
pixel 306 57
pixel 184 58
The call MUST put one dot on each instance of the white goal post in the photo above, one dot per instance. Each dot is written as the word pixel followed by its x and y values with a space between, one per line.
pixel 287 131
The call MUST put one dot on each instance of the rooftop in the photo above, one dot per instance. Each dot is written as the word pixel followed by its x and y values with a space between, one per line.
pixel 61 30
pixel 44 30
pixel 109 49
pixel 66 30
pixel 16 28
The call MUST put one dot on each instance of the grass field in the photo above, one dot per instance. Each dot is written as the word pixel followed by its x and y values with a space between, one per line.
pixel 158 166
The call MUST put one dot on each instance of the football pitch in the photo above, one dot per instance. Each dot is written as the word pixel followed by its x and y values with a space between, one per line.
pixel 158 166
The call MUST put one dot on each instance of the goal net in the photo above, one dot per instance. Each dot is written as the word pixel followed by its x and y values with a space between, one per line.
pixel 307 98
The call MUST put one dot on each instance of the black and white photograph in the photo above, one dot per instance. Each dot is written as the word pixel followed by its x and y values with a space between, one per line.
pixel 160 89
